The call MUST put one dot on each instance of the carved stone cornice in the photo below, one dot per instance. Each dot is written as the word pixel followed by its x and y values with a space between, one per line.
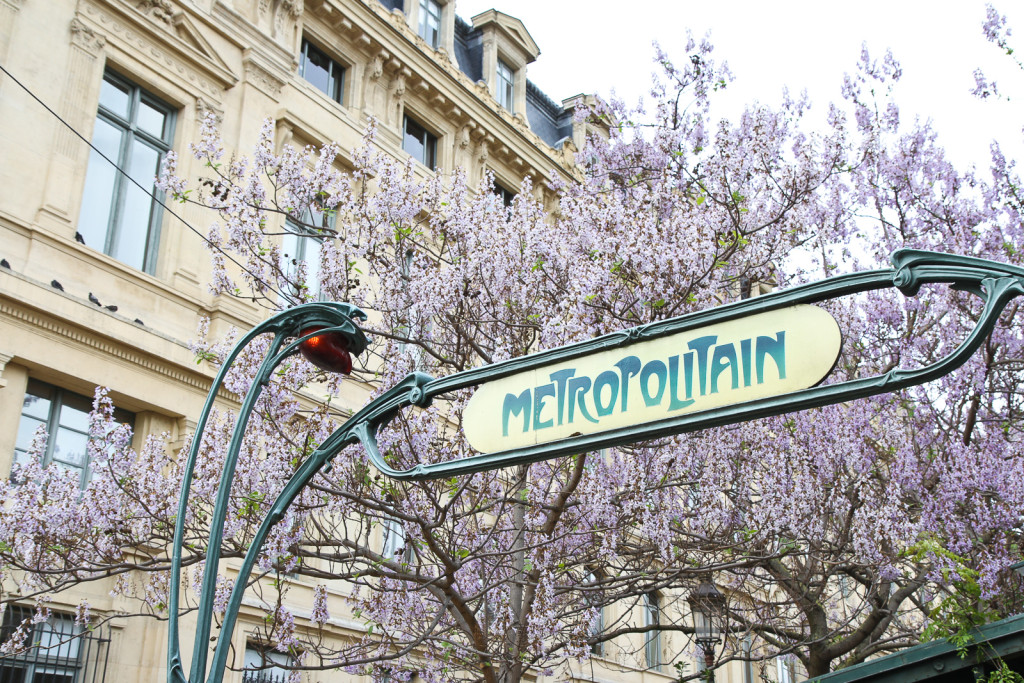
pixel 5 358
pixel 161 10
pixel 164 48
pixel 82 337
pixel 203 107
pixel 261 74
pixel 86 38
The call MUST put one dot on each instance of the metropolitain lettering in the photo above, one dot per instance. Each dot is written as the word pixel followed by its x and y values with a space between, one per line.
pixel 703 368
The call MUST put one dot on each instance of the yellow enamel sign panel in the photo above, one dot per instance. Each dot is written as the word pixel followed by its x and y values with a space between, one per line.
pixel 758 356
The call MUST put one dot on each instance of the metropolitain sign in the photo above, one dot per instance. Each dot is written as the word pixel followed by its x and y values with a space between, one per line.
pixel 758 356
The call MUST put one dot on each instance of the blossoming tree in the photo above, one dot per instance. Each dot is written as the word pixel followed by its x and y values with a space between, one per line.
pixel 834 533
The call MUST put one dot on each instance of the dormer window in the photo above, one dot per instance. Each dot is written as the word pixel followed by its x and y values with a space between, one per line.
pixel 505 90
pixel 430 22
pixel 507 48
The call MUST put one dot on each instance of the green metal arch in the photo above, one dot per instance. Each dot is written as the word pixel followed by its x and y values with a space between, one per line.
pixel 995 283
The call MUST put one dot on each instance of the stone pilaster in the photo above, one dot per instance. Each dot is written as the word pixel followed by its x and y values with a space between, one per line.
pixel 77 107
pixel 8 16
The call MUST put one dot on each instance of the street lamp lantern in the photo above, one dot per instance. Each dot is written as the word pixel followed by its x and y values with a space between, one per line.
pixel 707 604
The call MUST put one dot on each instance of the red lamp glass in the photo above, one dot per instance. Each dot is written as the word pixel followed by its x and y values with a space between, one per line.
pixel 327 351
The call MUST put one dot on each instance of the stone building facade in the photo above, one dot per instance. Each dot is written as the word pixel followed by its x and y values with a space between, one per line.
pixel 100 286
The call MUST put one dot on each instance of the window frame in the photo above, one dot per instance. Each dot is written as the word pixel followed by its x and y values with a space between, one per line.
pixel 131 133
pixel 597 626
pixel 58 399
pixel 339 84
pixel 425 14
pixel 505 85
pixel 506 195
pixel 652 638
pixel 56 647
pixel 275 667
pixel 785 669
pixel 303 236
pixel 394 542
pixel 428 141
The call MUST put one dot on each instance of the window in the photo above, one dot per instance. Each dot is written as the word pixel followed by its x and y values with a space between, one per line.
pixel 748 665
pixel 266 666
pixel 652 639
pixel 784 669
pixel 133 129
pixel 394 544
pixel 323 72
pixel 505 85
pixel 597 625
pixel 430 22
pixel 506 195
pixel 302 244
pixel 55 651
pixel 65 416
pixel 420 143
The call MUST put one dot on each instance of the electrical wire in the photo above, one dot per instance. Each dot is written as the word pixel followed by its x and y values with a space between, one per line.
pixel 138 185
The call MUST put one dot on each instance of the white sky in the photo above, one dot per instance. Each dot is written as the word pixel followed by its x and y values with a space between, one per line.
pixel 595 47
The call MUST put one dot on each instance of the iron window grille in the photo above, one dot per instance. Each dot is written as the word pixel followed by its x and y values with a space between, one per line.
pixel 134 129
pixel 55 651
pixel 324 73
pixel 65 417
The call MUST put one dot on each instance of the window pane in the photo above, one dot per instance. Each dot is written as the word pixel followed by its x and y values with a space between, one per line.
pixel 413 141
pixel 151 119
pixel 290 251
pixel 53 675
pixel 419 143
pixel 300 246
pixel 256 659
pixel 322 71
pixel 134 222
pixel 37 401
pixel 57 639
pixel 115 217
pixel 430 22
pixel 26 432
pixel 12 674
pixel 74 412
pixel 317 70
pixel 115 98
pixel 504 86
pixel 100 185
pixel 69 447
pixel 69 434
pixel 312 258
